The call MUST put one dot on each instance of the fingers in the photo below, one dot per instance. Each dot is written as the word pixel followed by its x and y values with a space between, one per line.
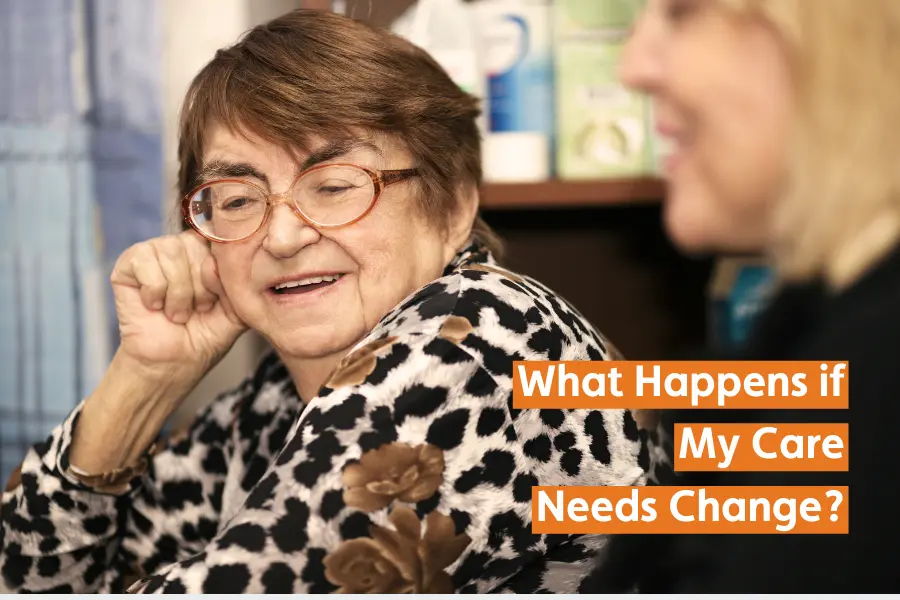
pixel 197 249
pixel 210 277
pixel 138 268
pixel 169 273
pixel 173 260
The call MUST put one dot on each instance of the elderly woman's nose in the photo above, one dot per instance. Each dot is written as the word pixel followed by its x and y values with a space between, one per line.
pixel 641 68
pixel 287 233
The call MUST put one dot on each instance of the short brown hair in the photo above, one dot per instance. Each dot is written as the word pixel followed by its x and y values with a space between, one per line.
pixel 315 72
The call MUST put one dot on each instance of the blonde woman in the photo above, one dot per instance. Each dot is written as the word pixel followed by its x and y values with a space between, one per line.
pixel 783 119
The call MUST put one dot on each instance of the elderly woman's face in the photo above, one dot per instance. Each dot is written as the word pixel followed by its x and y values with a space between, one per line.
pixel 379 260
pixel 721 89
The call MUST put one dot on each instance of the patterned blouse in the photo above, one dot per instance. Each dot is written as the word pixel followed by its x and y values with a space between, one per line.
pixel 409 472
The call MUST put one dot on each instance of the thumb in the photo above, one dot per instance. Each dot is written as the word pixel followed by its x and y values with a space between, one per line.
pixel 209 276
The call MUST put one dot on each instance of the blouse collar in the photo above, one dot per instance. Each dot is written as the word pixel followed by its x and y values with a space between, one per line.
pixel 472 253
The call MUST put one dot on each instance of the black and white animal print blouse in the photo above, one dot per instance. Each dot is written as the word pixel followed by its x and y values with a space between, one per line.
pixel 409 472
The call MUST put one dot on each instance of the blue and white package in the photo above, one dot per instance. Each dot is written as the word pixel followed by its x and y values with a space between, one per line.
pixel 517 41
pixel 515 37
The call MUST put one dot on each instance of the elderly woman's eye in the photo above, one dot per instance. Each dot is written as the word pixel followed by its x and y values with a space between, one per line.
pixel 237 203
pixel 334 187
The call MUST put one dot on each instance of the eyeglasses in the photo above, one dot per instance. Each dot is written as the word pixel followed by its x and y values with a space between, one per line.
pixel 326 197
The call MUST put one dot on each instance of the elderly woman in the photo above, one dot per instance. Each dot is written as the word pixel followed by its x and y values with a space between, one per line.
pixel 330 175
pixel 782 114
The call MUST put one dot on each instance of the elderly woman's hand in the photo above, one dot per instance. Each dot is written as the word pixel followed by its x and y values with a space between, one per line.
pixel 175 323
pixel 173 314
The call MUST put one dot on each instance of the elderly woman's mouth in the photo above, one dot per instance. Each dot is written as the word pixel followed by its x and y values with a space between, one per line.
pixel 306 284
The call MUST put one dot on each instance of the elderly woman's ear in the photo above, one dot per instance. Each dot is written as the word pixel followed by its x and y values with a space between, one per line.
pixel 462 218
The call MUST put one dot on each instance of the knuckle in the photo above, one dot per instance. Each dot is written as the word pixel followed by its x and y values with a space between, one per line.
pixel 196 255
pixel 156 288
pixel 190 238
pixel 144 257
pixel 147 274
pixel 168 246
pixel 141 252
pixel 180 293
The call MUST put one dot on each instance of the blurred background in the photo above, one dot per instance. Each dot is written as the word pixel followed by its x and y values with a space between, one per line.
pixel 90 93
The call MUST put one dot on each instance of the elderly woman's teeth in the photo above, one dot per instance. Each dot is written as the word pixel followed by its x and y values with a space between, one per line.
pixel 308 284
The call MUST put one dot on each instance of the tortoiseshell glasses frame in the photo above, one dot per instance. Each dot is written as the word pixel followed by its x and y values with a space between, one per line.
pixel 196 205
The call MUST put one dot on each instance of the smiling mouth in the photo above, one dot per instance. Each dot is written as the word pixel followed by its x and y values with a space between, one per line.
pixel 304 286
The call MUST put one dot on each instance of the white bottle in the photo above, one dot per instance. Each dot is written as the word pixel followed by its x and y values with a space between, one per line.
pixel 518 62
pixel 446 30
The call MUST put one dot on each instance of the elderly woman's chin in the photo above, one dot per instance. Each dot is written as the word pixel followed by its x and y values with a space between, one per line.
pixel 292 346
pixel 309 340
pixel 298 332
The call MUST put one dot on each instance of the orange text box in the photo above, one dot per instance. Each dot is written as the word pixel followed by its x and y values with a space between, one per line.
pixel 671 510
pixel 680 384
pixel 762 447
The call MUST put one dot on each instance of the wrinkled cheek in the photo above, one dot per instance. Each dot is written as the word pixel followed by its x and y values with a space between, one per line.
pixel 371 289
pixel 247 308
pixel 234 276
pixel 246 304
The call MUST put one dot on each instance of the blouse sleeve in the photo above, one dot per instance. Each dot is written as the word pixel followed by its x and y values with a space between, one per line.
pixel 410 472
pixel 59 534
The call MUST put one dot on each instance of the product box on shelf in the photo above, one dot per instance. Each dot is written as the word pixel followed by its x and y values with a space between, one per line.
pixel 601 125
pixel 577 16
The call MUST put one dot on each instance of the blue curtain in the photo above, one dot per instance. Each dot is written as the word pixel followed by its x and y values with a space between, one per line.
pixel 80 181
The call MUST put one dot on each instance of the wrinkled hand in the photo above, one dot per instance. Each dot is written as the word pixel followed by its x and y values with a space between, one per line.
pixel 173 313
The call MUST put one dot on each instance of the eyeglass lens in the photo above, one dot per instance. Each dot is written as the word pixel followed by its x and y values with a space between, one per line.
pixel 329 196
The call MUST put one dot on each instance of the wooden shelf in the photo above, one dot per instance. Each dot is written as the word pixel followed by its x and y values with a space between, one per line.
pixel 571 194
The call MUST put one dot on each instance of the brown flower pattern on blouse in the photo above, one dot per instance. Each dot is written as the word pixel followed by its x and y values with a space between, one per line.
pixel 134 574
pixel 356 366
pixel 397 561
pixel 456 329
pixel 646 419
pixel 393 471
pixel 15 478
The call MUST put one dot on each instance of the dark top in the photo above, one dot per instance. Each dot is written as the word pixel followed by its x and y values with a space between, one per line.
pixel 860 325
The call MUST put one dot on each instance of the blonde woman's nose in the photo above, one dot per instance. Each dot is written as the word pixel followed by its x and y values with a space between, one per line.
pixel 641 66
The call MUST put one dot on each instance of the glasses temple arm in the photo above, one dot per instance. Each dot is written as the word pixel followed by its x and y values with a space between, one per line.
pixel 389 177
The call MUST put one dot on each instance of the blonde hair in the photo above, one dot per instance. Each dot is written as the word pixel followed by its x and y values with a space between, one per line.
pixel 840 211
